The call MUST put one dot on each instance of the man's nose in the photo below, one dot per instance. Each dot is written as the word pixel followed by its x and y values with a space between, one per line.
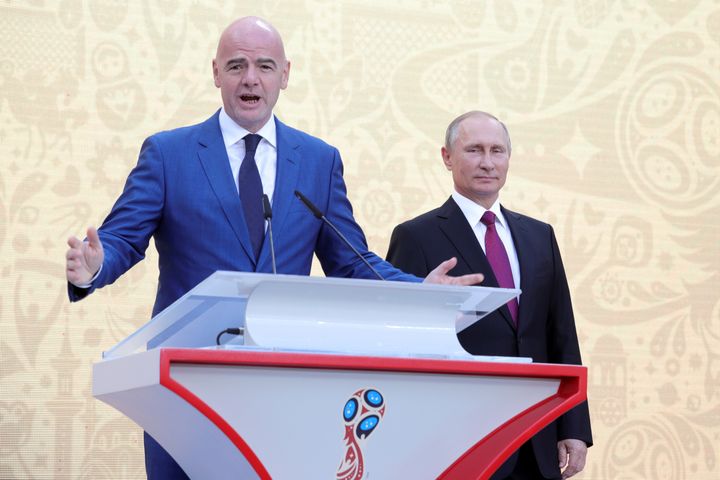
pixel 484 161
pixel 251 77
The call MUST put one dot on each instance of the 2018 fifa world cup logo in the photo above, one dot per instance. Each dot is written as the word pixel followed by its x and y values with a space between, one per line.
pixel 362 414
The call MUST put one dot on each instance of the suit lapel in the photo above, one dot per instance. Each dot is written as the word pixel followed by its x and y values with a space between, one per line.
pixel 458 232
pixel 456 228
pixel 288 169
pixel 215 163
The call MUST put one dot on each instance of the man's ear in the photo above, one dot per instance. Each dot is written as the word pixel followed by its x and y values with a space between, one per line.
pixel 286 75
pixel 446 157
pixel 216 73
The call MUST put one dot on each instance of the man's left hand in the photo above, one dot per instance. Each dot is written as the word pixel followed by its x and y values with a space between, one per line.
pixel 440 275
pixel 571 455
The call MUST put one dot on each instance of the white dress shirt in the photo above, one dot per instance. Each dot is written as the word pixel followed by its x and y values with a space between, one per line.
pixel 265 155
pixel 473 213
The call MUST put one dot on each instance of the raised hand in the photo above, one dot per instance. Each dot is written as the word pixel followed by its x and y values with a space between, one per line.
pixel 440 276
pixel 83 259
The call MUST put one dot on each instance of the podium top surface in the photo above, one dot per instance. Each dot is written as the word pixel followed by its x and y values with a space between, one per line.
pixel 319 313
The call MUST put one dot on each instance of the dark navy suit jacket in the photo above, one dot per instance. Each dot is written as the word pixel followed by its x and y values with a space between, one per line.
pixel 182 193
pixel 546 326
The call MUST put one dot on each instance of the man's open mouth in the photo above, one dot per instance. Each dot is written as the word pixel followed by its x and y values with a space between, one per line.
pixel 250 98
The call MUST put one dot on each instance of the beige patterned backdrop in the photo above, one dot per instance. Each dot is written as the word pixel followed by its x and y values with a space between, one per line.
pixel 614 109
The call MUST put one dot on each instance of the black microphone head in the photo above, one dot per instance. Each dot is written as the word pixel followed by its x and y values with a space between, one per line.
pixel 267 209
pixel 315 211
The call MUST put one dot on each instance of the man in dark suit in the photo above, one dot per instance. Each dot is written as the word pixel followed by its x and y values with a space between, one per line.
pixel 197 190
pixel 511 250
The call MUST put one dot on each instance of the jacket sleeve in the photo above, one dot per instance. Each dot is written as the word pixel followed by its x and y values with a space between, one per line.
pixel 336 258
pixel 564 347
pixel 126 232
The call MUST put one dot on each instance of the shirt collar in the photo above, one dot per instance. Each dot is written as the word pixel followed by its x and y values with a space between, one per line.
pixel 232 133
pixel 473 212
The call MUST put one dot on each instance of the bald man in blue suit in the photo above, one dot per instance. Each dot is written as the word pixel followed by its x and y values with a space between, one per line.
pixel 186 189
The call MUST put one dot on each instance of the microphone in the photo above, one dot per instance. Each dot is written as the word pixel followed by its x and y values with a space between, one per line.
pixel 267 213
pixel 318 214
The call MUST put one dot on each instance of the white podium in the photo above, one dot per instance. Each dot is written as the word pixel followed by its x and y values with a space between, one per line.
pixel 335 378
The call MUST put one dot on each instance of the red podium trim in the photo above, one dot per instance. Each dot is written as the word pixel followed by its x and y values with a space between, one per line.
pixel 167 356
pixel 488 454
pixel 484 457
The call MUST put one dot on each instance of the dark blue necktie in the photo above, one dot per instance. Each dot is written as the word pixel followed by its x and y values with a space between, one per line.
pixel 251 191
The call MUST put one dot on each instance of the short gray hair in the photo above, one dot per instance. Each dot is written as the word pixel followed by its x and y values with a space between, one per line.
pixel 452 130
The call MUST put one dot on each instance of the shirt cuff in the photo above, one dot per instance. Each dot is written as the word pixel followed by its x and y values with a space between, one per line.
pixel 89 284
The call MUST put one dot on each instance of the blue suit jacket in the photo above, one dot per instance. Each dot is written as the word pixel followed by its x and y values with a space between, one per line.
pixel 182 193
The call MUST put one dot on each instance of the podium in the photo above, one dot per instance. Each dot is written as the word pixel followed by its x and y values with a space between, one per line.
pixel 333 378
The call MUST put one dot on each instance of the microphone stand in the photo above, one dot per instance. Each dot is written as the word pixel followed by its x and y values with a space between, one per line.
pixel 267 213
pixel 318 214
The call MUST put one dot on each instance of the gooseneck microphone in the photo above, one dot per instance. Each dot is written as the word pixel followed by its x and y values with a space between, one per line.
pixel 267 213
pixel 318 214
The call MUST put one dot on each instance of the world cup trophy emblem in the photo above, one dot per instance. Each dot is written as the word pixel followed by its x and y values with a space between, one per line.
pixel 362 414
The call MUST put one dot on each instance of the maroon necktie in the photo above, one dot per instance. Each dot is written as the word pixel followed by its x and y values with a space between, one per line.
pixel 498 258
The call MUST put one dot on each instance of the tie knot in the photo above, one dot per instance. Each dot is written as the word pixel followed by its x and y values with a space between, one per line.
pixel 251 142
pixel 488 218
